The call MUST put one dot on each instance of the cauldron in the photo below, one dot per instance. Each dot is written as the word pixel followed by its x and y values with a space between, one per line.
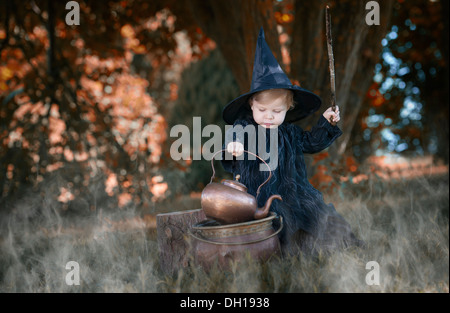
pixel 232 242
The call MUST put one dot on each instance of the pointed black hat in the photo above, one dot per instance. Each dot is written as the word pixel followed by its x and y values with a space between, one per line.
pixel 267 74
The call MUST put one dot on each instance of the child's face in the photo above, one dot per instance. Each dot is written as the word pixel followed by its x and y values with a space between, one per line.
pixel 269 110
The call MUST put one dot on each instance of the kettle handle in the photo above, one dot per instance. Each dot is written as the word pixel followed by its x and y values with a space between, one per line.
pixel 259 188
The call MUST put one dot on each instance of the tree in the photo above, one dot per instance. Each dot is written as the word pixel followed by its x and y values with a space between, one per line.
pixel 356 51
pixel 70 97
pixel 54 75
pixel 409 96
pixel 234 25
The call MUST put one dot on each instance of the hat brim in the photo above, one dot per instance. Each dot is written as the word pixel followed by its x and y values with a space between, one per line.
pixel 306 103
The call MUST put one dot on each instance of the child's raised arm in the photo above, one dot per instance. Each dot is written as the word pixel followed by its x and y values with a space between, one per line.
pixel 322 135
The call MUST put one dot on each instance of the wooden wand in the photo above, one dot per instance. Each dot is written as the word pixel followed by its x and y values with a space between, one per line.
pixel 330 59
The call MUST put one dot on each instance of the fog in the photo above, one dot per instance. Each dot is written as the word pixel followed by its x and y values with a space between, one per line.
pixel 404 223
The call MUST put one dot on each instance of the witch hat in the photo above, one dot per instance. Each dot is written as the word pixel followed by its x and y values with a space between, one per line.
pixel 267 74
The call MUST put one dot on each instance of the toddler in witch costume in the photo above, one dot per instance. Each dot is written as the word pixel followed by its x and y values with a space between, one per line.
pixel 273 103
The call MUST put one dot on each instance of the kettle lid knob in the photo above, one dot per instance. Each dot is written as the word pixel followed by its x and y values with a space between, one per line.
pixel 236 184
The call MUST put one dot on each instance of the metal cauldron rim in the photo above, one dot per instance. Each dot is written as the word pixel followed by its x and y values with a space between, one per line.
pixel 235 230
pixel 272 216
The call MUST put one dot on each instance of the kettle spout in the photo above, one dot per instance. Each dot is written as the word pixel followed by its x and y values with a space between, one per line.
pixel 264 211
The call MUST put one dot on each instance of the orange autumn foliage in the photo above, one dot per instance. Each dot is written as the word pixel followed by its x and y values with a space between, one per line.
pixel 322 177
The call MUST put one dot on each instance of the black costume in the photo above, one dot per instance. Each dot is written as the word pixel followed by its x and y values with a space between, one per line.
pixel 309 222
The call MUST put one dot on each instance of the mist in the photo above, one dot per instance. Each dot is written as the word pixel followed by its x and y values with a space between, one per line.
pixel 403 222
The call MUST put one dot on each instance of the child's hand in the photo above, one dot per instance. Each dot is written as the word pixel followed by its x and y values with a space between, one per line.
pixel 331 116
pixel 235 148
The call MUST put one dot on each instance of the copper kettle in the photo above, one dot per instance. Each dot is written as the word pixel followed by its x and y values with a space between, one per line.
pixel 229 201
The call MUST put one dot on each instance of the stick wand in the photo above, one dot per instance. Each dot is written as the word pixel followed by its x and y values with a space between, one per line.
pixel 330 59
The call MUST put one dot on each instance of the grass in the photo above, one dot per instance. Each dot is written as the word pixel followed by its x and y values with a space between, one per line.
pixel 405 224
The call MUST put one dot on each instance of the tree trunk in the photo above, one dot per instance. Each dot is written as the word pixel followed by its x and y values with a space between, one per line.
pixel 356 48
pixel 234 26
pixel 436 99
pixel 172 231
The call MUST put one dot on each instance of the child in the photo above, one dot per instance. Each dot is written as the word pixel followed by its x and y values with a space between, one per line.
pixel 273 102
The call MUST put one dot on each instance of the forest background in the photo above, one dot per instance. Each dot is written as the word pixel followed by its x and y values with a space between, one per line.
pixel 96 101
pixel 86 110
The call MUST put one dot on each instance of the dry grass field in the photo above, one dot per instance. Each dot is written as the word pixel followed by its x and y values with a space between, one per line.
pixel 405 223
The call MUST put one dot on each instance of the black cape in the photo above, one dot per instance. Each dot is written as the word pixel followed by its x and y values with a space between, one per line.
pixel 309 223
